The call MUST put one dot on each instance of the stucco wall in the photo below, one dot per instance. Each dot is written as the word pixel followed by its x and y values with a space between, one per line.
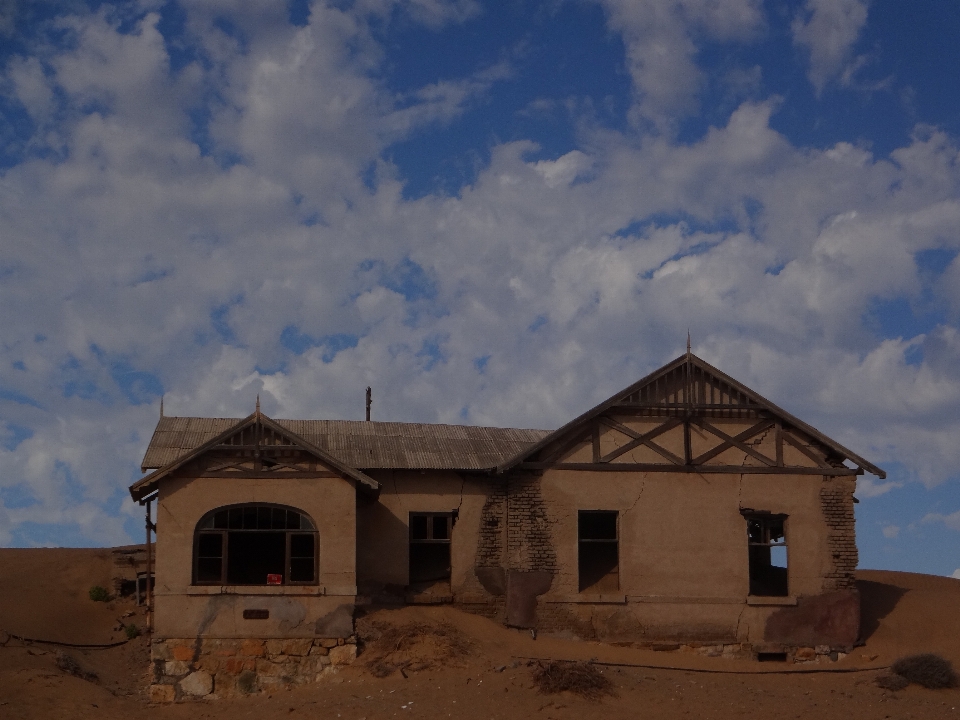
pixel 683 550
pixel 324 610
pixel 383 527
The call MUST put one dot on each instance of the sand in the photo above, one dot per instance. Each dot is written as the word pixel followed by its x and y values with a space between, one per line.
pixel 482 671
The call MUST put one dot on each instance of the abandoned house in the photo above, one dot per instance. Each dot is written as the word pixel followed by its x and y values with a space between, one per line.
pixel 686 508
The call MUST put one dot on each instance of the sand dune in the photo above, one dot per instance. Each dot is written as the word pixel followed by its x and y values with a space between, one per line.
pixel 44 595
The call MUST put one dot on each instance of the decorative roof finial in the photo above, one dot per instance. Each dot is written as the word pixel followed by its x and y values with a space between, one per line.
pixel 688 341
pixel 161 406
pixel 258 403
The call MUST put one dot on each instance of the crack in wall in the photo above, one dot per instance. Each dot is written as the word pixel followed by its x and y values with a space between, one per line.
pixel 637 499
pixel 741 635
pixel 396 491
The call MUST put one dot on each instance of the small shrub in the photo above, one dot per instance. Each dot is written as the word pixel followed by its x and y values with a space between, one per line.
pixel 411 647
pixel 928 670
pixel 132 631
pixel 99 594
pixel 891 681
pixel 581 678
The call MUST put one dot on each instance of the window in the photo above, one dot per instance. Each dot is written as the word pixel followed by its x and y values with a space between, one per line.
pixel 430 546
pixel 599 557
pixel 255 545
pixel 767 549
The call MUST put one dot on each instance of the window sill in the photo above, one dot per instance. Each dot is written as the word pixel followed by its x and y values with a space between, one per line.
pixel 603 598
pixel 255 590
pixel 686 599
pixel 771 600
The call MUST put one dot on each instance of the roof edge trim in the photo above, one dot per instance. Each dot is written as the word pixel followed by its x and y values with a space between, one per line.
pixel 689 357
pixel 146 485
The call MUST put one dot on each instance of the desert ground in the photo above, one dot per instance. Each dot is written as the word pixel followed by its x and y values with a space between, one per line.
pixel 456 665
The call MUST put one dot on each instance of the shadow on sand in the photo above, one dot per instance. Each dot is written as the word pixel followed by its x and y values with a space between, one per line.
pixel 877 600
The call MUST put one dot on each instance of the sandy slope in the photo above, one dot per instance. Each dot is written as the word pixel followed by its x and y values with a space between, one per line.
pixel 43 593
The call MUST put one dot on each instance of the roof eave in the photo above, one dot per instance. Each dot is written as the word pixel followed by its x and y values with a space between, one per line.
pixel 583 417
pixel 759 399
pixel 146 485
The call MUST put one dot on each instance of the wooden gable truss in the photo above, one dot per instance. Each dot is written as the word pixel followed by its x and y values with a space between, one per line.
pixel 690 417
pixel 256 447
pixel 259 451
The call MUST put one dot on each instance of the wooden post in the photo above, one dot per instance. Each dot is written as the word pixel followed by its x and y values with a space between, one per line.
pixel 149 590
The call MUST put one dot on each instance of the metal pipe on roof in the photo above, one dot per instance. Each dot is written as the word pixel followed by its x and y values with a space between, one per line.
pixel 369 401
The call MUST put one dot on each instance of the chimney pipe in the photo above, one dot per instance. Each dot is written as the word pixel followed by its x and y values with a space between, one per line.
pixel 369 402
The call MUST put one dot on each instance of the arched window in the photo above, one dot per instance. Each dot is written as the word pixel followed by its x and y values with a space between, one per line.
pixel 255 545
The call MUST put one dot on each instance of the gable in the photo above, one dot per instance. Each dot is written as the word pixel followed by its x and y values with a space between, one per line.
pixel 690 417
pixel 254 447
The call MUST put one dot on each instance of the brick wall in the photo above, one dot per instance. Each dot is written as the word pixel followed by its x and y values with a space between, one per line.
pixel 490 544
pixel 836 501
pixel 529 546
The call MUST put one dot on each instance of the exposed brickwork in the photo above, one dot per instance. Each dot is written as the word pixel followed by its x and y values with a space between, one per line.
pixel 558 618
pixel 186 669
pixel 495 609
pixel 529 546
pixel 490 544
pixel 836 501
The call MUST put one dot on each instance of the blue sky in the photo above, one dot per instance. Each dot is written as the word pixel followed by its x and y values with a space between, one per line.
pixel 492 212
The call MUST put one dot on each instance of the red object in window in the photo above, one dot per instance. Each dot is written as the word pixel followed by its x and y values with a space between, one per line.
pixel 274 579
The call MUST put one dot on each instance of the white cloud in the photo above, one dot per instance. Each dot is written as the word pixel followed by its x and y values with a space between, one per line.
pixel 661 52
pixel 952 520
pixel 956 574
pixel 527 297
pixel 868 487
pixel 564 170
pixel 891 531
pixel 829 29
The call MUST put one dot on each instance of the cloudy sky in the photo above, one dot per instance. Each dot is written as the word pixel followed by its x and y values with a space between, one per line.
pixel 492 212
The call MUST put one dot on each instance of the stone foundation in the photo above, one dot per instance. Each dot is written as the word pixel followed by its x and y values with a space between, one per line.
pixel 188 669
pixel 746 651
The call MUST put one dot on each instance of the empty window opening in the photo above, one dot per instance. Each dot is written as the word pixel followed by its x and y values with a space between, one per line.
pixel 767 548
pixel 255 545
pixel 599 556
pixel 430 535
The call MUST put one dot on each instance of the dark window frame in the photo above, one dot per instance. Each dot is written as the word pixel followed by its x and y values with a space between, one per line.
pixel 222 521
pixel 430 539
pixel 766 531
pixel 588 546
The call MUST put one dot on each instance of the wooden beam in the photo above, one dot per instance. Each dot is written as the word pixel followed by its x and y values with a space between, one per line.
pixel 234 463
pixel 638 439
pixel 255 447
pixel 556 449
pixel 265 474
pixel 697 469
pixel 685 406
pixel 779 441
pixel 804 449
pixel 735 442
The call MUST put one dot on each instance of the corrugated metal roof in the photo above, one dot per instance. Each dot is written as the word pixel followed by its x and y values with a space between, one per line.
pixel 362 444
